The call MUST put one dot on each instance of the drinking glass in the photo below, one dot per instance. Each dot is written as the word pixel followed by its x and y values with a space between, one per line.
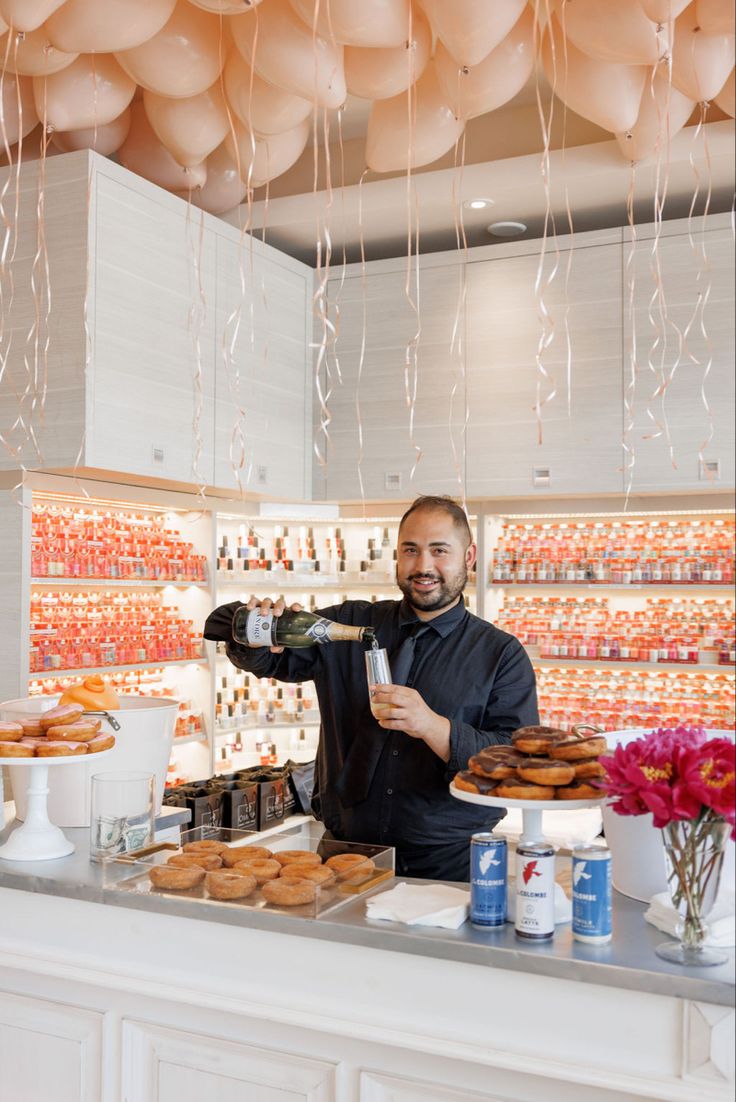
pixel 122 813
pixel 378 672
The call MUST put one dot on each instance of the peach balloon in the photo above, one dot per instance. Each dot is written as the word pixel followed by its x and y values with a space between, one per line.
pixel 33 55
pixel 144 154
pixel 92 91
pixel 382 73
pixel 700 62
pixel 392 144
pixel 663 113
pixel 184 58
pixel 378 23
pixel 284 51
pixel 262 159
pixel 17 110
pixel 260 105
pixel 105 139
pixel 614 32
pixel 663 11
pixel 470 29
pixel 223 189
pixel 189 128
pixel 101 26
pixel 716 16
pixel 27 15
pixel 726 98
pixel 606 92
pixel 226 7
pixel 30 149
pixel 497 79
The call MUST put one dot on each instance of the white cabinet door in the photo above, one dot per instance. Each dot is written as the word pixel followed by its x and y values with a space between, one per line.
pixel 581 443
pixel 680 330
pixel 375 1087
pixel 168 1065
pixel 262 374
pixel 151 391
pixel 49 1052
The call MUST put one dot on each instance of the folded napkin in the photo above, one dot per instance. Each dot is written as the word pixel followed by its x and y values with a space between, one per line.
pixel 421 905
pixel 720 922
pixel 563 906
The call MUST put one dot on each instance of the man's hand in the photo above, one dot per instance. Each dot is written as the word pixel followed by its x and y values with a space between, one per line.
pixel 403 709
pixel 266 605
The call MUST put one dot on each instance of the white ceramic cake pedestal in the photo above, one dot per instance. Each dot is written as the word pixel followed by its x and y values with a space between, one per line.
pixel 37 839
pixel 531 810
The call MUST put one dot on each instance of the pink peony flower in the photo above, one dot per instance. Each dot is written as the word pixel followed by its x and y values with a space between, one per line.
pixel 709 776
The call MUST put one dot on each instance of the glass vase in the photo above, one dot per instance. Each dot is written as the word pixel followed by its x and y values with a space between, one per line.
pixel 694 851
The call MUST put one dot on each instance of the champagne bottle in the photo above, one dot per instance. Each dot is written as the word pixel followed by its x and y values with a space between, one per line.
pixel 293 629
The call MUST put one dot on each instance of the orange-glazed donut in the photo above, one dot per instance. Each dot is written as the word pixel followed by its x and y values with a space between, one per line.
pixel 176 879
pixel 298 856
pixel 60 749
pixel 16 750
pixel 234 855
pixel 206 861
pixel 63 713
pixel 289 891
pixel 207 846
pixel 317 874
pixel 262 870
pixel 226 884
pixel 11 732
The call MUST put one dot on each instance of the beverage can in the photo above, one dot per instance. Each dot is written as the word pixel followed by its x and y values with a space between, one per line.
pixel 535 891
pixel 592 898
pixel 488 874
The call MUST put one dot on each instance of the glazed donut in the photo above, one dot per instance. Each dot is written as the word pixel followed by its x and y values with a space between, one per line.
pixel 536 740
pixel 99 743
pixel 262 870
pixel 297 856
pixel 495 762
pixel 83 730
pixel 176 879
pixel 11 732
pixel 473 782
pixel 577 749
pixel 316 874
pixel 32 727
pixel 235 855
pixel 60 749
pixel 588 769
pixel 579 790
pixel 209 845
pixel 64 713
pixel 545 771
pixel 226 884
pixel 289 891
pixel 16 750
pixel 525 790
pixel 206 861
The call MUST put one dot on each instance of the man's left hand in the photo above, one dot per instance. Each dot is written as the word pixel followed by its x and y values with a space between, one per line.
pixel 405 710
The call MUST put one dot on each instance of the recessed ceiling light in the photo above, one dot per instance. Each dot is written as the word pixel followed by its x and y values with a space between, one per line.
pixel 477 204
pixel 506 229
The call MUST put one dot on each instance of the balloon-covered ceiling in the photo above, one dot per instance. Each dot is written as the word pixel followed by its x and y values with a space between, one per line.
pixel 209 98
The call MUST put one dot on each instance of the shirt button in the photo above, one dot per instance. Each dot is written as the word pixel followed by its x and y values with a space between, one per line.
pixel 395 753
pixel 389 791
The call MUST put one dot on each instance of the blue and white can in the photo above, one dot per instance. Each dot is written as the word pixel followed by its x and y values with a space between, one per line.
pixel 535 890
pixel 592 894
pixel 488 874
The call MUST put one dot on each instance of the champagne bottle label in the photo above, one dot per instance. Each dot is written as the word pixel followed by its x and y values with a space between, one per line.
pixel 259 630
pixel 293 629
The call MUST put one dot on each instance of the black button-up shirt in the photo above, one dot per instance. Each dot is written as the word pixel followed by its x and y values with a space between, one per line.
pixel 477 676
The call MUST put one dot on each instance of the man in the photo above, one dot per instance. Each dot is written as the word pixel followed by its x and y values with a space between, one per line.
pixel 464 685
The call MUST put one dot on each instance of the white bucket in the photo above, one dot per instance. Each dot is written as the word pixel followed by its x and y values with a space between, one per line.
pixel 143 743
pixel 637 851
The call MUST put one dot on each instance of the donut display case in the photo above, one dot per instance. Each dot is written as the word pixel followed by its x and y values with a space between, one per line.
pixel 294 871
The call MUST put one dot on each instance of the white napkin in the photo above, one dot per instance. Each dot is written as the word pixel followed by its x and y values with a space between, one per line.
pixel 720 922
pixel 563 906
pixel 421 905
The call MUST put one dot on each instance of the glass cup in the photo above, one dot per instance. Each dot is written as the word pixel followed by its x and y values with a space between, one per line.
pixel 378 672
pixel 122 813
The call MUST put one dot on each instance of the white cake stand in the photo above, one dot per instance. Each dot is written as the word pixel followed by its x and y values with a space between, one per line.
pixel 37 839
pixel 531 810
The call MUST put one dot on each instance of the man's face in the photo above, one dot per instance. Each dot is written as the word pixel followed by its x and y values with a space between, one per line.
pixel 433 561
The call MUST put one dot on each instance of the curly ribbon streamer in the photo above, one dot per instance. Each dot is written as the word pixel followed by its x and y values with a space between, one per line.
pixel 411 353
pixel 195 321
pixel 364 321
pixel 627 440
pixel 458 340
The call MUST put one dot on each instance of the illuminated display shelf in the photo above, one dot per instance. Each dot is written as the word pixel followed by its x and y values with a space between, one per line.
pixel 117 583
pixel 88 671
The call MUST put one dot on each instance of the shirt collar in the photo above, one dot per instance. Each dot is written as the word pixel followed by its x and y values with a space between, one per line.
pixel 443 624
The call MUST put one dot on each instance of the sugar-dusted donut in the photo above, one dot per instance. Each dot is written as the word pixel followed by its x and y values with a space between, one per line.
pixel 226 884
pixel 208 845
pixel 289 891
pixel 298 856
pixel 317 874
pixel 234 855
pixel 176 879
pixel 262 870
pixel 206 861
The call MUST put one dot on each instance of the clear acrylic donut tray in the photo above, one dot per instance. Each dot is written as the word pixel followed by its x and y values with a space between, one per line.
pixel 132 872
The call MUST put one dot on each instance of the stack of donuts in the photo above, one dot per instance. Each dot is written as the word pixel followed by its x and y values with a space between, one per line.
pixel 286 878
pixel 542 763
pixel 62 732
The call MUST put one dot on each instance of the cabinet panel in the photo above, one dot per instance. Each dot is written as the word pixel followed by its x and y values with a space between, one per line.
pixel 393 1088
pixel 677 334
pixel 48 1051
pixel 168 1065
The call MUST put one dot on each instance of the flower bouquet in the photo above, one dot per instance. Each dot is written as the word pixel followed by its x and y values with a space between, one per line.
pixel 687 782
